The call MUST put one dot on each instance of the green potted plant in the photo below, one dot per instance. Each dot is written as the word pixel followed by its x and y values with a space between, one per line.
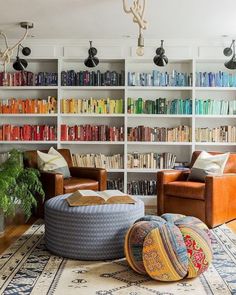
pixel 19 187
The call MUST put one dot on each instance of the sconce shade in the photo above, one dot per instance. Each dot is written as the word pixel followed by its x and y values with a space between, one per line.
pixel 160 59
pixel 26 51
pixel 231 64
pixel 20 64
pixel 91 62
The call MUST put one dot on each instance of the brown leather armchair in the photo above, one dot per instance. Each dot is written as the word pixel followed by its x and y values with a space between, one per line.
pixel 214 202
pixel 54 184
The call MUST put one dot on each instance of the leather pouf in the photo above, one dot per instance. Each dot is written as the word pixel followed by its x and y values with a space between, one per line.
pixel 169 248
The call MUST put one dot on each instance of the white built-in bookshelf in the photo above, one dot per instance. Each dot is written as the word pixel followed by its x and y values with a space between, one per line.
pixel 182 150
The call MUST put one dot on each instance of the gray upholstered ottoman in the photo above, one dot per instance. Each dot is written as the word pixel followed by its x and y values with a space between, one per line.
pixel 88 232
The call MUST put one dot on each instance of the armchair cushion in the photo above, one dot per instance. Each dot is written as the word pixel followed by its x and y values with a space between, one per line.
pixel 185 189
pixel 208 164
pixel 53 161
pixel 73 183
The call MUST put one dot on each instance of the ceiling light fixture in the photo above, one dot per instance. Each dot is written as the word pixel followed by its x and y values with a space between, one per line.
pixel 160 59
pixel 91 61
pixel 6 53
pixel 138 9
pixel 228 51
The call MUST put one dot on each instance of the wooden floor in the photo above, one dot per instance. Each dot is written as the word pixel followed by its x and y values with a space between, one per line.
pixel 13 232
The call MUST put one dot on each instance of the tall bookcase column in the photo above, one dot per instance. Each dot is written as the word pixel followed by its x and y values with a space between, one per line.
pixel 148 95
pixel 108 108
pixel 216 106
pixel 29 113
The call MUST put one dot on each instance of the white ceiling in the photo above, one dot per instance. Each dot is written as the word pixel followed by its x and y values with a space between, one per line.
pixel 86 19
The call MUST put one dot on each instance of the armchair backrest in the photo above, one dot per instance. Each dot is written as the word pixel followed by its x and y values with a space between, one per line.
pixel 30 157
pixel 230 166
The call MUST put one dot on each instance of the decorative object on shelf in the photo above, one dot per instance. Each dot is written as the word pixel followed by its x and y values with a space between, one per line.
pixel 21 64
pixel 189 251
pixel 138 9
pixel 5 54
pixel 160 59
pixel 91 61
pixel 231 64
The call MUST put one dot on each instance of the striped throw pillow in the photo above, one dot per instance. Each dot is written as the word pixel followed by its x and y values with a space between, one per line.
pixel 53 161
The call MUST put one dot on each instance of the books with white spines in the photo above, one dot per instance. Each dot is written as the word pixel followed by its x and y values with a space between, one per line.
pixel 90 197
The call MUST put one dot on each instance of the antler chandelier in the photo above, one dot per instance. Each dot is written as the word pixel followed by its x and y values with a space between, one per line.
pixel 137 9
pixel 6 53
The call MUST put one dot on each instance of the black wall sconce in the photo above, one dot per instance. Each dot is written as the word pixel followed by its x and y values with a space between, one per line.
pixel 228 51
pixel 160 59
pixel 21 64
pixel 91 61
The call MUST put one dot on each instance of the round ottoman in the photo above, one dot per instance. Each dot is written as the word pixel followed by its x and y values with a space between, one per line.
pixel 169 248
pixel 88 232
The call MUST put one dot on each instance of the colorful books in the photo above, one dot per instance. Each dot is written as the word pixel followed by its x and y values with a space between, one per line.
pixel 91 133
pixel 218 79
pixel 180 133
pixel 86 78
pixel 28 106
pixel 10 132
pixel 92 106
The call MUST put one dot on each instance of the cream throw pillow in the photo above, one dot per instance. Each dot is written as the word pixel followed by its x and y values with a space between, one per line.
pixel 207 164
pixel 53 161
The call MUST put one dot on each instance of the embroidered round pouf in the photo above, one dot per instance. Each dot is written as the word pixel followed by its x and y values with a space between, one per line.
pixel 88 232
pixel 169 248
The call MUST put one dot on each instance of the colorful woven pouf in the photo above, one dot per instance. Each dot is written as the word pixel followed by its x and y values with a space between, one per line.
pixel 169 248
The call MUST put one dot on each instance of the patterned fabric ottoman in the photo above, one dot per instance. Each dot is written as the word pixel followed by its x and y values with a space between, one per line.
pixel 88 232
pixel 170 247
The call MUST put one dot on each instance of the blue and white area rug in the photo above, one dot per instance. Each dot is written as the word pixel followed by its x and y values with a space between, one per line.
pixel 28 268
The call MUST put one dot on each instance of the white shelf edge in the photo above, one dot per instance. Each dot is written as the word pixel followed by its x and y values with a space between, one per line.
pixel 93 142
pixel 159 88
pixel 92 115
pixel 216 116
pixel 92 87
pixel 158 143
pixel 158 116
pixel 215 88
pixel 143 170
pixel 216 143
pixel 27 142
pixel 29 87
pixel 115 170
pixel 28 115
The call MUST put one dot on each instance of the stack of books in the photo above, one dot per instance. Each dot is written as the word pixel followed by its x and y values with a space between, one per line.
pixel 92 106
pixel 28 106
pixel 142 187
pixel 91 133
pixel 98 161
pixel 117 184
pixel 218 134
pixel 215 107
pixel 151 160
pixel 180 133
pixel 10 132
pixel 159 106
pixel 86 78
pixel 219 79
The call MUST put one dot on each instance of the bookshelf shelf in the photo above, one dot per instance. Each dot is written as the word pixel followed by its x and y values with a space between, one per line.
pixel 28 87
pixel 143 170
pixel 158 143
pixel 92 87
pixel 27 142
pixel 157 116
pixel 29 115
pixel 93 115
pixel 161 88
pixel 93 142
pixel 182 150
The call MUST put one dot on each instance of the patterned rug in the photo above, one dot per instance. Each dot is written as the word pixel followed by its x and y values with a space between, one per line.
pixel 28 268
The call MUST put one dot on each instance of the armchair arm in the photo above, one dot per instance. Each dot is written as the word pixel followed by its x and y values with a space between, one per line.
pixel 164 177
pixel 220 199
pixel 52 184
pixel 99 174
